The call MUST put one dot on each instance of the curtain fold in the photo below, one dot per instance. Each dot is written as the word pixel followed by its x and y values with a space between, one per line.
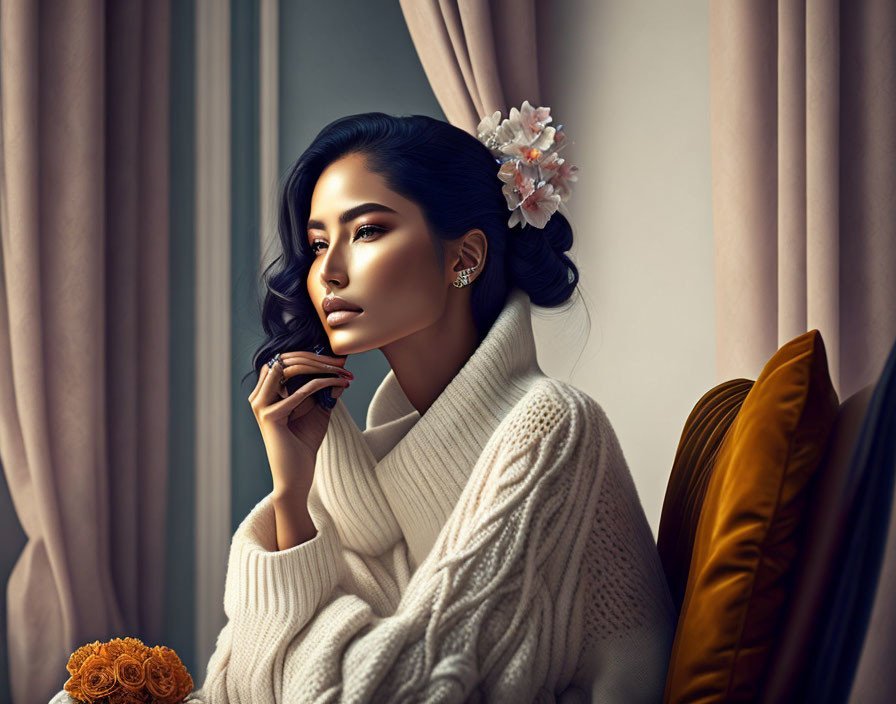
pixel 479 56
pixel 803 139
pixel 83 325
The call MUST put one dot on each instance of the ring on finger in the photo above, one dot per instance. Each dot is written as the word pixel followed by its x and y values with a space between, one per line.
pixel 275 358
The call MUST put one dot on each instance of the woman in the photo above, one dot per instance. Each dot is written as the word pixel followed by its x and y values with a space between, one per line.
pixel 481 539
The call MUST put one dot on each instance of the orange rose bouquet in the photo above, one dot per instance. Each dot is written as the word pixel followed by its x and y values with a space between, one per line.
pixel 125 671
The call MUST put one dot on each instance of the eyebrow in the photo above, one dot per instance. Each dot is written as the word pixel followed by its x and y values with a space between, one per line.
pixel 353 213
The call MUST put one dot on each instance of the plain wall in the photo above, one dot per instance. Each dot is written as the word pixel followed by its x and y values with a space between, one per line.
pixel 630 83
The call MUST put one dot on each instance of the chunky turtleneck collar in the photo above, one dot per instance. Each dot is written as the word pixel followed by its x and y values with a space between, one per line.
pixel 403 475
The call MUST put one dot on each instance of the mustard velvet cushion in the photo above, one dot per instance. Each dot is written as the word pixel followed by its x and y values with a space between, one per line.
pixel 815 570
pixel 748 531
pixel 698 448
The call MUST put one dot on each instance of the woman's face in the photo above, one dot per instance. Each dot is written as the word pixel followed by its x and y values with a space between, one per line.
pixel 380 259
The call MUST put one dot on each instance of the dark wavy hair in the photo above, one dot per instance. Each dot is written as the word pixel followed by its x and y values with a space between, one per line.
pixel 452 177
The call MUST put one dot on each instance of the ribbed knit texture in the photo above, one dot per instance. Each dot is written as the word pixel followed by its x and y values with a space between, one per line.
pixel 493 549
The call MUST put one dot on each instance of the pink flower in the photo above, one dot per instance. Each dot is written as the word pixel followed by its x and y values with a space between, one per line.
pixel 537 209
pixel 515 143
pixel 532 121
pixel 551 163
pixel 568 171
pixel 561 179
pixel 519 182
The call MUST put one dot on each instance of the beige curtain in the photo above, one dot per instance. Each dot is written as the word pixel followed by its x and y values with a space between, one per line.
pixel 803 129
pixel 479 56
pixel 83 324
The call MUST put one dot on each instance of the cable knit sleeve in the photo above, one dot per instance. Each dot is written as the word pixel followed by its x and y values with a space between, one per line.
pixel 628 612
pixel 483 617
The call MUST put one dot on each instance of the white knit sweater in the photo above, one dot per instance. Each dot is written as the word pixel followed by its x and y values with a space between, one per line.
pixel 493 550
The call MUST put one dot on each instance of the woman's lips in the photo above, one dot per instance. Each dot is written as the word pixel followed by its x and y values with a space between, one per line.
pixel 338 317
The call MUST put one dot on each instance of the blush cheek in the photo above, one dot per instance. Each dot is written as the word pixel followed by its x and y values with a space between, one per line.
pixel 401 284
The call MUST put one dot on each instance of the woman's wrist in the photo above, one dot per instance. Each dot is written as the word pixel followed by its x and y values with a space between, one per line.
pixel 292 519
pixel 285 493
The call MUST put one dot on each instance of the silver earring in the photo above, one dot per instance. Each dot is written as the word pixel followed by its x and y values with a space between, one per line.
pixel 462 276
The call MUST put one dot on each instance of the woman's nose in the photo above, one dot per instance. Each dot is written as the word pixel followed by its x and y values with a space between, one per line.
pixel 332 269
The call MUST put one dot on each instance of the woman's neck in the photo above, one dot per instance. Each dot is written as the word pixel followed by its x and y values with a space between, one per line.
pixel 426 361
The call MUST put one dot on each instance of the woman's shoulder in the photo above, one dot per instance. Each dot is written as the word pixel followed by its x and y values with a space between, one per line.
pixel 561 428
pixel 553 407
pixel 550 403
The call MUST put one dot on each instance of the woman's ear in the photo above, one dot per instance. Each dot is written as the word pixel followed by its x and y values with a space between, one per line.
pixel 469 251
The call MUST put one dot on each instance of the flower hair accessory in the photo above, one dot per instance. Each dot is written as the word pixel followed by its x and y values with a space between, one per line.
pixel 536 180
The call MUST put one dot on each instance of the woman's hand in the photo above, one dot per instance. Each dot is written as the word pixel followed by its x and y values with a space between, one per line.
pixel 293 427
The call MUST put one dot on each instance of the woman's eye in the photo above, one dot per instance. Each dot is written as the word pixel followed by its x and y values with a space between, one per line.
pixel 370 229
pixel 363 231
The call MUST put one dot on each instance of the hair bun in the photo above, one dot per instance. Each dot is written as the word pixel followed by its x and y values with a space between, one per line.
pixel 537 262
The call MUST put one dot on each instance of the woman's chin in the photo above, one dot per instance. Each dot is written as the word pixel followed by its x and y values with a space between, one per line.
pixel 343 344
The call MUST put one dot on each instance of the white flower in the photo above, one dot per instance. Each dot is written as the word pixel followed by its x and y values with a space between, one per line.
pixel 519 182
pixel 531 122
pixel 530 153
pixel 538 207
pixel 488 125
pixel 516 141
pixel 561 179
pixel 551 163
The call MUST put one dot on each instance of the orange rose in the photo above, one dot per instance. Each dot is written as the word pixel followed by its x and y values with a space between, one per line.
pixel 135 647
pixel 160 681
pixel 129 672
pixel 80 655
pixel 167 654
pixel 118 646
pixel 97 677
pixel 183 681
pixel 183 684
pixel 125 697
pixel 109 651
pixel 73 687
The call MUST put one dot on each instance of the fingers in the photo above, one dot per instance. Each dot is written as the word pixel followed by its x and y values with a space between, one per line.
pixel 304 366
pixel 312 366
pixel 305 354
pixel 263 377
pixel 270 386
pixel 291 364
pixel 287 407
